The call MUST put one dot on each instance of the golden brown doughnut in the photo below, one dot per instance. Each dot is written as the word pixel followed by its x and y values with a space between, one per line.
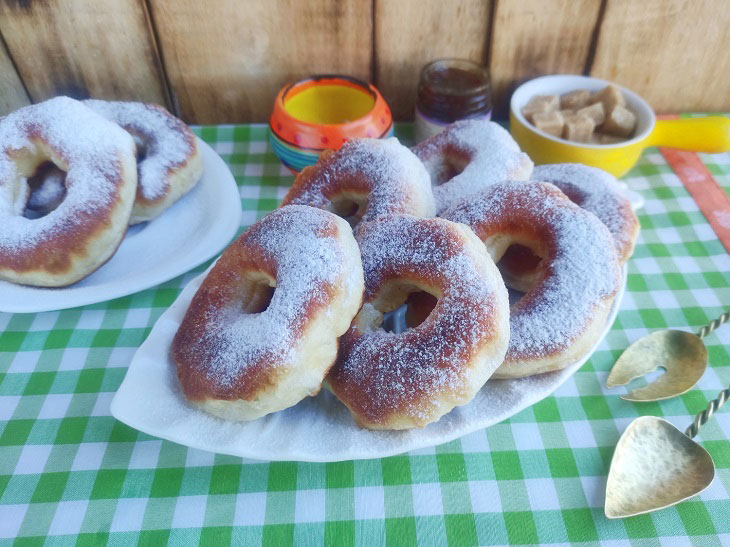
pixel 88 225
pixel 261 332
pixel 365 179
pixel 169 162
pixel 409 379
pixel 558 320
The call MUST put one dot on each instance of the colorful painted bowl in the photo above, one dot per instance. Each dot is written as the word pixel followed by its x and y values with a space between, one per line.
pixel 322 112
pixel 711 134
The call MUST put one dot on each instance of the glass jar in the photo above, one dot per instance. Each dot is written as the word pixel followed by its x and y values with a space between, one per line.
pixel 451 90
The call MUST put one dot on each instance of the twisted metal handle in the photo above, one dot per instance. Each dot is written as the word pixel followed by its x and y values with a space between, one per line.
pixel 706 414
pixel 714 324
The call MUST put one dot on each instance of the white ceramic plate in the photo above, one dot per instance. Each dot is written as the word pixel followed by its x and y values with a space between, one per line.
pixel 318 429
pixel 190 232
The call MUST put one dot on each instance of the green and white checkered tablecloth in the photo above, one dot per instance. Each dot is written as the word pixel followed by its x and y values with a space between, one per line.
pixel 71 474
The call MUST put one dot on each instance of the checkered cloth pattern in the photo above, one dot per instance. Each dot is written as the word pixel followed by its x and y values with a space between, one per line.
pixel 71 474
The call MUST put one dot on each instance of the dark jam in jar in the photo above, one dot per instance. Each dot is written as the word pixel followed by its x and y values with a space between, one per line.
pixel 451 90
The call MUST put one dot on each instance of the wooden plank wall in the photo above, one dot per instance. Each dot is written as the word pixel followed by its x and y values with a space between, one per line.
pixel 83 48
pixel 223 61
pixel 248 54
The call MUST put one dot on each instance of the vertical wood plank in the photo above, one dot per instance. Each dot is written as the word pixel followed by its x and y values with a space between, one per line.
pixel 12 92
pixel 410 33
pixel 672 52
pixel 534 37
pixel 84 48
pixel 226 60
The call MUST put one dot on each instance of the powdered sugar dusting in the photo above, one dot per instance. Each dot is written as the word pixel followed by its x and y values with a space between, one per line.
pixel 394 177
pixel 403 372
pixel 309 262
pixel 91 148
pixel 166 141
pixel 484 152
pixel 594 190
pixel 583 272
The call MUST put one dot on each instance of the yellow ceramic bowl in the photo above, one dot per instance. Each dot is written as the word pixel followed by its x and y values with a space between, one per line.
pixel 711 134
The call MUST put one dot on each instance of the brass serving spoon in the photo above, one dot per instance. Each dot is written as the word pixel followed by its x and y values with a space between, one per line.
pixel 682 354
pixel 655 465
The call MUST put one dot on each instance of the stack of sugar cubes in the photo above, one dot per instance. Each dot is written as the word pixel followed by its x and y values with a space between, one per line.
pixel 581 116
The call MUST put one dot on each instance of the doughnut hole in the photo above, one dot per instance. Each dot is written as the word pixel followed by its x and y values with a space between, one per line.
pixel 141 142
pixel 47 190
pixel 403 306
pixel 350 206
pixel 444 167
pixel 141 152
pixel 572 195
pixel 419 306
pixel 256 291
pixel 519 260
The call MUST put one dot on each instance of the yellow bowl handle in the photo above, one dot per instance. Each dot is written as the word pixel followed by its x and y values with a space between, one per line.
pixel 710 134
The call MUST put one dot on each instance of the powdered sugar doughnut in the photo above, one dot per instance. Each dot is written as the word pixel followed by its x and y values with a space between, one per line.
pixel 595 190
pixel 86 228
pixel 468 156
pixel 169 163
pixel 241 351
pixel 399 381
pixel 365 179
pixel 562 316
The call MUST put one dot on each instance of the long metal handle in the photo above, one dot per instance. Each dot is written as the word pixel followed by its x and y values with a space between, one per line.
pixel 706 414
pixel 714 324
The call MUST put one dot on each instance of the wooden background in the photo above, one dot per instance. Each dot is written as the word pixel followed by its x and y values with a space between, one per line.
pixel 218 61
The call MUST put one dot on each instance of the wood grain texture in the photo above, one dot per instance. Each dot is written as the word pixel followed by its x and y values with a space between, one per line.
pixel 534 37
pixel 226 60
pixel 83 48
pixel 12 92
pixel 410 33
pixel 672 52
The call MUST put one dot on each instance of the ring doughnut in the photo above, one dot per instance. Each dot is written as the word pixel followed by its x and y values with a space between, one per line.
pixel 365 179
pixel 563 314
pixel 468 156
pixel 86 228
pixel 243 351
pixel 169 163
pixel 409 379
pixel 595 190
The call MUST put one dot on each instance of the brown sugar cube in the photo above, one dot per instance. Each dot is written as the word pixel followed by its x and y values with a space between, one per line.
pixel 610 96
pixel 578 128
pixel 574 99
pixel 539 104
pixel 550 122
pixel 620 122
pixel 594 112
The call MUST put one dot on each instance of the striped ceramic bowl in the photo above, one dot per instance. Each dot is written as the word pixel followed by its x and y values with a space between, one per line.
pixel 322 112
